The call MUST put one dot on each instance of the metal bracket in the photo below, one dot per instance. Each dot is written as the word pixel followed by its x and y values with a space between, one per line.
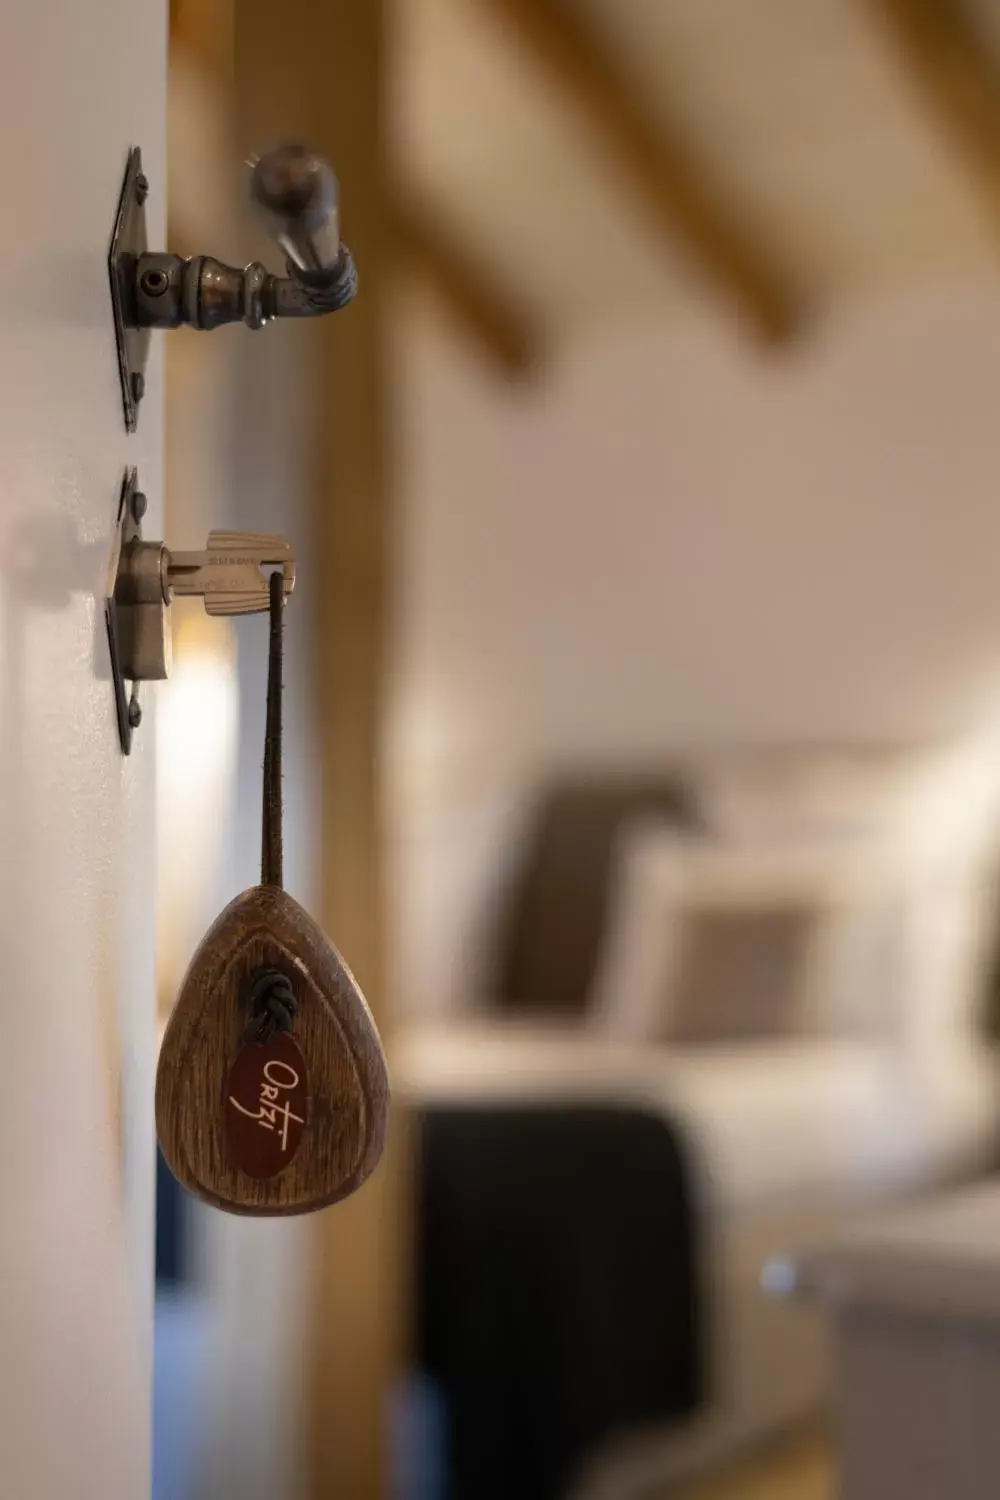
pixel 128 243
pixel 296 193
pixel 131 509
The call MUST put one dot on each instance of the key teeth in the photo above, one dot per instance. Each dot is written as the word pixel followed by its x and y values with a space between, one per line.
pixel 272 547
pixel 236 604
pixel 269 549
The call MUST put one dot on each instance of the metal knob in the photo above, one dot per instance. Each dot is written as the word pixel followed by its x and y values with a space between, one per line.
pixel 296 194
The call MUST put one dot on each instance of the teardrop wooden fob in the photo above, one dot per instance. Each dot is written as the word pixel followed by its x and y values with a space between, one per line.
pixel 272 1092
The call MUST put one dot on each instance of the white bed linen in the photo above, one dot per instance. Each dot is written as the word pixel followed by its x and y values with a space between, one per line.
pixel 769 1122
pixel 788 1139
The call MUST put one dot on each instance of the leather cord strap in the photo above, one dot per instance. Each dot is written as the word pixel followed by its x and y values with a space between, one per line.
pixel 271 997
pixel 272 849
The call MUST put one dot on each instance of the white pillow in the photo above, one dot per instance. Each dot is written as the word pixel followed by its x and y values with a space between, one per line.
pixel 847 959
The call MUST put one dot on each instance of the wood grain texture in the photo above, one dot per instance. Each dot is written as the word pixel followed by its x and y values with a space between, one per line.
pixel 348 1081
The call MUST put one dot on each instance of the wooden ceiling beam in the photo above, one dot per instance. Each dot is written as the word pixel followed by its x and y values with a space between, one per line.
pixel 943 50
pixel 466 290
pixel 656 163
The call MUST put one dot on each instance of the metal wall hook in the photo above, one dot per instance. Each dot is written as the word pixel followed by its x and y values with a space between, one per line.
pixel 295 192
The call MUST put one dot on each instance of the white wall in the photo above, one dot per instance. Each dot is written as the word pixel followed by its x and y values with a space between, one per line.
pixel 674 541
pixel 79 84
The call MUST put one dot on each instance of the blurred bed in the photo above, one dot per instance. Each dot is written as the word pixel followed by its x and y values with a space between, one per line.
pixel 796 1015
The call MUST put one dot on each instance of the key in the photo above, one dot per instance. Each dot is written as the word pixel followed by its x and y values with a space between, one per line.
pixel 229 573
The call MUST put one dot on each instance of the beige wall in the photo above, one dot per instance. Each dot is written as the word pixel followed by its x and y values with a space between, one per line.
pixel 676 541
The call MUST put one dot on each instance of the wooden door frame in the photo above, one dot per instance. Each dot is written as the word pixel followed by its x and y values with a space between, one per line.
pixel 315 70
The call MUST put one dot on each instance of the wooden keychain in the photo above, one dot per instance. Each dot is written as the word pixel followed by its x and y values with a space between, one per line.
pixel 272 1092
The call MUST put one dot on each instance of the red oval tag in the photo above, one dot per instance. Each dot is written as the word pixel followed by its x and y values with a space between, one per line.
pixel 266 1105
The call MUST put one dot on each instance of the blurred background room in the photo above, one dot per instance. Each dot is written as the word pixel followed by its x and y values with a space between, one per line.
pixel 643 727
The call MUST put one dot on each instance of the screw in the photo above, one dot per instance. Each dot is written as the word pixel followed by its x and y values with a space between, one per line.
pixel 141 188
pixel 134 712
pixel 154 283
pixel 139 504
pixel 138 385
